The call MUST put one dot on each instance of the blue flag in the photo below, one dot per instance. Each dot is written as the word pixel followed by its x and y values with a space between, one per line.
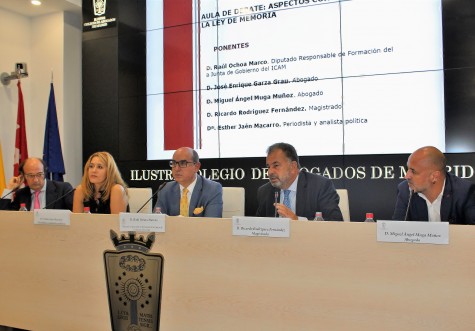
pixel 52 153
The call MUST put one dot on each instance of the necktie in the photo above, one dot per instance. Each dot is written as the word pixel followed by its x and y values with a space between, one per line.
pixel 287 199
pixel 184 203
pixel 37 200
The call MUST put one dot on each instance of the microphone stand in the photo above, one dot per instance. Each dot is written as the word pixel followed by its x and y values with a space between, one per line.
pixel 408 204
pixel 11 192
pixel 56 200
pixel 153 195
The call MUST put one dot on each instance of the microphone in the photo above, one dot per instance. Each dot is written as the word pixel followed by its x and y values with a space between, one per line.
pixel 56 200
pixel 276 197
pixel 153 195
pixel 11 192
pixel 16 180
pixel 411 192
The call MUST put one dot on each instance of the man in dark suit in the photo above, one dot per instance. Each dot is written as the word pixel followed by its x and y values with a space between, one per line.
pixel 434 194
pixel 190 194
pixel 307 193
pixel 39 192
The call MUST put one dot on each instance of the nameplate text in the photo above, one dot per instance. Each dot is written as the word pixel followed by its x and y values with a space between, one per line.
pixel 413 232
pixel 142 222
pixel 52 216
pixel 261 227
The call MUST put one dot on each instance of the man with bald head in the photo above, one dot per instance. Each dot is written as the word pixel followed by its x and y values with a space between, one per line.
pixel 430 193
pixel 39 192
pixel 190 194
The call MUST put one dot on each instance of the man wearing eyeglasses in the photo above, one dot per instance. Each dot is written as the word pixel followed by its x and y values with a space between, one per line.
pixel 38 193
pixel 190 194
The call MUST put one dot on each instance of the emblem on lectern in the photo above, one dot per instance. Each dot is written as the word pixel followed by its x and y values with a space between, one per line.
pixel 134 283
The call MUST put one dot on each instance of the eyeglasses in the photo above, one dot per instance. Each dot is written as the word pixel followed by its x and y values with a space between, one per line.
pixel 181 163
pixel 32 176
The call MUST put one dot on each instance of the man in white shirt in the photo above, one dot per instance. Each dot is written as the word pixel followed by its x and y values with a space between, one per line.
pixel 430 193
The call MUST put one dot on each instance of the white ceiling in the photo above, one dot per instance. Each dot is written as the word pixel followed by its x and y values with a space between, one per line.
pixel 24 7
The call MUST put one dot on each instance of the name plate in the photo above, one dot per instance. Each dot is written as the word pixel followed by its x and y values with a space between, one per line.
pixel 142 222
pixel 52 216
pixel 261 227
pixel 413 232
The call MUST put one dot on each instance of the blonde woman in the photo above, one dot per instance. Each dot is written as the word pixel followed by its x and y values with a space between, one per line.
pixel 102 188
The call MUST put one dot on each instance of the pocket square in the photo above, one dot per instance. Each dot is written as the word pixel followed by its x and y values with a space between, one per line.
pixel 198 210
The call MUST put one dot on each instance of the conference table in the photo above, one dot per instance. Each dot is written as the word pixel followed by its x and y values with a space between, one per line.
pixel 325 276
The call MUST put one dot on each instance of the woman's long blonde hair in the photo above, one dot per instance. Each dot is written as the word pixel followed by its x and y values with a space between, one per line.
pixel 112 177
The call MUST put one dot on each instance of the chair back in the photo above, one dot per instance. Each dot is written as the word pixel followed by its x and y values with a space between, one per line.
pixel 137 197
pixel 344 204
pixel 233 201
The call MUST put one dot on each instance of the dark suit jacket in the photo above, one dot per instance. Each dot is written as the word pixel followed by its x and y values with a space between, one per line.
pixel 314 193
pixel 206 194
pixel 457 207
pixel 54 190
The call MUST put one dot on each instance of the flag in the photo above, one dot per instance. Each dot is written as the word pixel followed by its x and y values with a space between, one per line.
pixel 21 147
pixel 2 172
pixel 52 153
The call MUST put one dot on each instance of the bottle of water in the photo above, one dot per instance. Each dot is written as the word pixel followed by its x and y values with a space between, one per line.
pixel 318 216
pixel 369 218
pixel 23 207
pixel 87 210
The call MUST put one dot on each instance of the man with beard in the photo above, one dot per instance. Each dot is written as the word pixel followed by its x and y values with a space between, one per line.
pixel 430 193
pixel 293 193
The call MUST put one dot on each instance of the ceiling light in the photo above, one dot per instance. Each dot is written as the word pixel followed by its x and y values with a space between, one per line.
pixel 36 2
